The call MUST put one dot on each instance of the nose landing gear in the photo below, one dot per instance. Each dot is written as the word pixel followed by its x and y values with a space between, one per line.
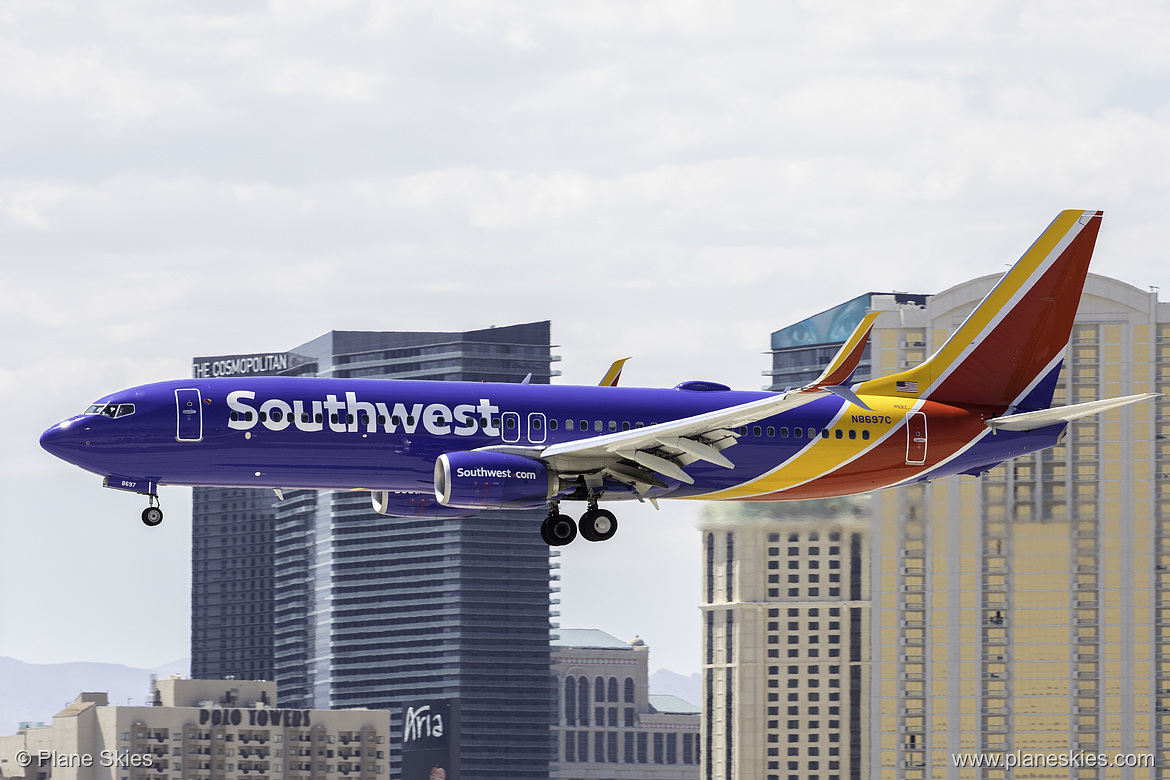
pixel 152 515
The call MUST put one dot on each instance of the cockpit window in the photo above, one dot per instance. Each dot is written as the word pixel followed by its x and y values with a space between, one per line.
pixel 111 410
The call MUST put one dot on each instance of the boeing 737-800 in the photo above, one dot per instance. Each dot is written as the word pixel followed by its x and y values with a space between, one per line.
pixel 441 449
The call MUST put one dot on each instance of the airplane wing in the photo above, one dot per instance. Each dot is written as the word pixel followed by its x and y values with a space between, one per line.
pixel 1028 421
pixel 637 456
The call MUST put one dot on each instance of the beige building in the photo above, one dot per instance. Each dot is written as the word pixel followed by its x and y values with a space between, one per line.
pixel 1024 610
pixel 610 726
pixel 200 730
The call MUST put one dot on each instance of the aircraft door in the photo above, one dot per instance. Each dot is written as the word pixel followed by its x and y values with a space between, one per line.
pixel 536 428
pixel 188 406
pixel 510 427
pixel 916 439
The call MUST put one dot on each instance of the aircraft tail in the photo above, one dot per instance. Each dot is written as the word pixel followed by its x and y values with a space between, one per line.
pixel 1009 350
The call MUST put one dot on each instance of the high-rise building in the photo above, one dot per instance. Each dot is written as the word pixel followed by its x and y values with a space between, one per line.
pixel 1027 609
pixel 377 611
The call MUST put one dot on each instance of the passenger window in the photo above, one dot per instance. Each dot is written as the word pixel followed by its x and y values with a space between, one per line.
pixel 639 425
pixel 757 430
pixel 263 417
pixel 394 420
pixel 276 415
pixel 839 433
pixel 597 426
pixel 410 419
pixel 783 433
pixel 552 425
pixel 320 418
pixel 234 416
pixel 568 425
pixel 852 434
pixel 771 431
pixel 584 425
pixel 812 433
pixel 865 435
pixel 612 426
pixel 824 433
pixel 536 424
pixel 511 423
pixel 625 426
pixel 798 432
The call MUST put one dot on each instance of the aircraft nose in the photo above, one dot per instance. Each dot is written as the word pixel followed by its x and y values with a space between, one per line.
pixel 60 440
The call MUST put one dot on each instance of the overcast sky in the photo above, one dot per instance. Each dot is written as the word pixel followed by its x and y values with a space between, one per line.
pixel 671 181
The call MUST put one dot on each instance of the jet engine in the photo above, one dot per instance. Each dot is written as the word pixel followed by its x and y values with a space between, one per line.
pixel 477 480
pixel 414 505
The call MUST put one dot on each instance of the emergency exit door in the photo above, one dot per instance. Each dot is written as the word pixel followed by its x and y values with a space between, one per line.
pixel 190 412
pixel 916 439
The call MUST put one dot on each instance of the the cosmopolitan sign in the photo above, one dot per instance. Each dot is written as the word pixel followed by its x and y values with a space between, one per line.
pixel 235 717
pixel 240 365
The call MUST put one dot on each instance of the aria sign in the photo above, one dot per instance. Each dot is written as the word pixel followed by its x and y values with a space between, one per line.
pixel 430 740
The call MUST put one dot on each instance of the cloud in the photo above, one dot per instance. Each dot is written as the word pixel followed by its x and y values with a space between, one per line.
pixel 672 180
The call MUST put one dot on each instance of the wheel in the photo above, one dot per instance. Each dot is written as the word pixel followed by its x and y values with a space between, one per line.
pixel 152 516
pixel 598 525
pixel 558 530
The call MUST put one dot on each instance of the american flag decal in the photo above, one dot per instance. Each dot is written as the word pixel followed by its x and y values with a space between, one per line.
pixel 907 387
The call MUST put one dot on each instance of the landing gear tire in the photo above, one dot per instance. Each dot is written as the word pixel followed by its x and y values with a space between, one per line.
pixel 598 525
pixel 558 530
pixel 152 516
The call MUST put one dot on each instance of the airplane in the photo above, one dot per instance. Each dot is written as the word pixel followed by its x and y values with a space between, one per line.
pixel 451 449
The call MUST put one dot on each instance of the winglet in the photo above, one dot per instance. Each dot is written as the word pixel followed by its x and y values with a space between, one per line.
pixel 613 374
pixel 847 358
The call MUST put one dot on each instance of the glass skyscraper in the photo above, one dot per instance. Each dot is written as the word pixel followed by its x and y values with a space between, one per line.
pixel 350 608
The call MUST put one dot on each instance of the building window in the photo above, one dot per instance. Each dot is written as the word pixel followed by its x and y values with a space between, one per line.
pixel 571 701
pixel 582 701
pixel 612 689
pixel 730 566
pixel 629 686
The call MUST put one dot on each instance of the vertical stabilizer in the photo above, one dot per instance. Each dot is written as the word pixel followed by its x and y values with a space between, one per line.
pixel 1014 339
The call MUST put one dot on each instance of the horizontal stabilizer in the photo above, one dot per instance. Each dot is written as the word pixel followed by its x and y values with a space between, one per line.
pixel 1031 420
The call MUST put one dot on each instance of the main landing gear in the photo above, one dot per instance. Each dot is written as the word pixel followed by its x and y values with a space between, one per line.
pixel 152 515
pixel 596 525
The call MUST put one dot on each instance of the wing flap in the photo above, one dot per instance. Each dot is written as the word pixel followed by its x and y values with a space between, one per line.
pixel 699 437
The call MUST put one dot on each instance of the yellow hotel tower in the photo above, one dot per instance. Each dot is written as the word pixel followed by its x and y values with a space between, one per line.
pixel 1024 612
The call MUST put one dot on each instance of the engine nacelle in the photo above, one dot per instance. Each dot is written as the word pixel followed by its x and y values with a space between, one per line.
pixel 478 480
pixel 414 505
